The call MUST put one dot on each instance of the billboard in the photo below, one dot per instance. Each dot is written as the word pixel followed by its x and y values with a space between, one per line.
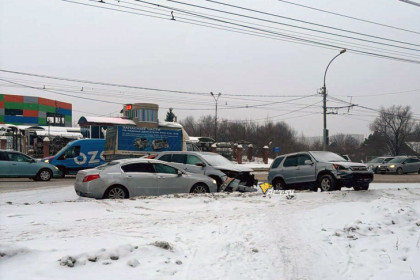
pixel 135 139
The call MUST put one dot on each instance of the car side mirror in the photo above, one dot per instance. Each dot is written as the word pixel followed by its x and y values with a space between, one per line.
pixel 308 162
pixel 180 173
pixel 202 164
pixel 33 160
pixel 403 162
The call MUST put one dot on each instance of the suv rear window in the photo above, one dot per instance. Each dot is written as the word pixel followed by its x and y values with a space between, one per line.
pixel 277 162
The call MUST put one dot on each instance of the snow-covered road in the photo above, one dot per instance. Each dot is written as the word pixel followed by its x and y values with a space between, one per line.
pixel 338 235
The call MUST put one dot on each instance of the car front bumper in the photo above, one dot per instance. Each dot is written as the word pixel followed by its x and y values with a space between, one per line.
pixel 387 169
pixel 351 179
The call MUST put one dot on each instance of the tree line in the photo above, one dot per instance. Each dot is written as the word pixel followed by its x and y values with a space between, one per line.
pixel 390 131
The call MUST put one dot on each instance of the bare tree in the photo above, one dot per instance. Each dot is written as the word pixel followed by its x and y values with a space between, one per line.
pixel 395 124
pixel 344 144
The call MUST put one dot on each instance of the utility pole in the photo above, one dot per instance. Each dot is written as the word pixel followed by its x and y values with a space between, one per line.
pixel 216 99
pixel 324 95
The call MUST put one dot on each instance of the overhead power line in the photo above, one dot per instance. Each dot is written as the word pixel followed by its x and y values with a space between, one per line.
pixel 350 17
pixel 284 37
pixel 140 87
pixel 258 33
pixel 289 18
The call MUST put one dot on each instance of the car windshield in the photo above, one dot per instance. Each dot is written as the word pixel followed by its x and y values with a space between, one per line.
pixel 63 149
pixel 327 157
pixel 376 160
pixel 216 159
pixel 397 160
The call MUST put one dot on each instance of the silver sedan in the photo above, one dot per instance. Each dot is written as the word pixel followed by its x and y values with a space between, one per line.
pixel 139 177
pixel 401 165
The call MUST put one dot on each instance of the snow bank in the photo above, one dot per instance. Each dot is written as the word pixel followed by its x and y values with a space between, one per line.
pixel 338 235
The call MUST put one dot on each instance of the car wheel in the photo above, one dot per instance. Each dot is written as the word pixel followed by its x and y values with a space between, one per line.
pixel 116 192
pixel 199 188
pixel 419 171
pixel 356 188
pixel 400 171
pixel 44 175
pixel 326 183
pixel 376 171
pixel 279 184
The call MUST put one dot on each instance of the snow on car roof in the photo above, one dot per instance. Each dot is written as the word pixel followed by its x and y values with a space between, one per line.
pixel 108 120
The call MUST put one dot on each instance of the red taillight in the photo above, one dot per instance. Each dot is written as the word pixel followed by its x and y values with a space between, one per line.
pixel 91 177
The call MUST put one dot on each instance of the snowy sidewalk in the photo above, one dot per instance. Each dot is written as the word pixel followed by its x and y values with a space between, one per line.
pixel 337 235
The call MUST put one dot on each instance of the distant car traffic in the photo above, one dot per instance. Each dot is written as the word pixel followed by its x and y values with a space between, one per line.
pixel 375 163
pixel 401 165
pixel 325 170
pixel 18 165
pixel 210 164
pixel 139 177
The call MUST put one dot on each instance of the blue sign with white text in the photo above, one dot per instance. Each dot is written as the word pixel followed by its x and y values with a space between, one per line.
pixel 149 139
pixel 276 149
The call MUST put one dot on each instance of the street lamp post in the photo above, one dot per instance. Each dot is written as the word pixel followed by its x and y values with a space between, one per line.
pixel 216 99
pixel 324 93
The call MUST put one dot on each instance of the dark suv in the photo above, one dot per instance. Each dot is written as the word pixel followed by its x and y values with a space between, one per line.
pixel 325 170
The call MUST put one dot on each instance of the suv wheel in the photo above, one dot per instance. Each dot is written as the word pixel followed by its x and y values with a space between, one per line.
pixel 400 171
pixel 326 183
pixel 278 184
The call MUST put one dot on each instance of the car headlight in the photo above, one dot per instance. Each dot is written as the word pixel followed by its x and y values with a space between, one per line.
pixel 56 168
pixel 339 167
pixel 214 182
pixel 392 166
pixel 46 161
pixel 379 165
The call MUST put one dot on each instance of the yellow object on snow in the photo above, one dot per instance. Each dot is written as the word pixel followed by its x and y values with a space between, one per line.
pixel 265 187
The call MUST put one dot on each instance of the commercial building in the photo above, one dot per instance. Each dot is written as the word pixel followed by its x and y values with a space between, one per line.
pixel 30 110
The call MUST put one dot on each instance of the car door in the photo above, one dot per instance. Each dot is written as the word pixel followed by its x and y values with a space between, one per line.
pixel 289 169
pixel 169 181
pixel 416 163
pixel 140 179
pixel 191 164
pixel 22 165
pixel 411 165
pixel 304 173
pixel 4 165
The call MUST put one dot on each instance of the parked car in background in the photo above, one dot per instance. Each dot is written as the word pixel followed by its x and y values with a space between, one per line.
pixel 401 165
pixel 325 170
pixel 375 163
pixel 210 164
pixel 137 177
pixel 18 165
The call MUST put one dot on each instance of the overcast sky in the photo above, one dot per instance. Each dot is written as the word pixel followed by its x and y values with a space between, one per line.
pixel 58 38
